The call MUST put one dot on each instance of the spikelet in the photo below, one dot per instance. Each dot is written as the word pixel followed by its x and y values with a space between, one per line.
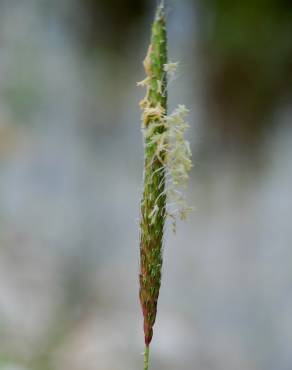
pixel 166 167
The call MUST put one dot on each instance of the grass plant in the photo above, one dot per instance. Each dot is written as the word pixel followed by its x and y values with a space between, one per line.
pixel 166 166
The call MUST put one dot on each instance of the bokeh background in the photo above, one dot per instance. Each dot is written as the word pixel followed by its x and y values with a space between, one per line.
pixel 71 162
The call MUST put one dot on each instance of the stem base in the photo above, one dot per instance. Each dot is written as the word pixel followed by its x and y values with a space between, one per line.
pixel 146 358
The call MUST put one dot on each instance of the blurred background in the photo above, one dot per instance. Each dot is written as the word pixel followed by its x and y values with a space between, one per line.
pixel 71 161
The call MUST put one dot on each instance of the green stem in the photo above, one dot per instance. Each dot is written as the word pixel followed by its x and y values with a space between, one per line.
pixel 146 358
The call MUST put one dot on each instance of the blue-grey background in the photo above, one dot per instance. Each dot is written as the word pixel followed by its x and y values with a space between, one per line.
pixel 71 162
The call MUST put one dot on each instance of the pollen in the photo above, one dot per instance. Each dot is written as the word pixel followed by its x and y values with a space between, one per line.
pixel 144 82
pixel 152 114
pixel 170 68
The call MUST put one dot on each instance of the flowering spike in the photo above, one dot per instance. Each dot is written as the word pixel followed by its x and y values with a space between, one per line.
pixel 166 167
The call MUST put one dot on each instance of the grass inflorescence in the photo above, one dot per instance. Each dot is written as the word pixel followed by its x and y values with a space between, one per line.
pixel 166 166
